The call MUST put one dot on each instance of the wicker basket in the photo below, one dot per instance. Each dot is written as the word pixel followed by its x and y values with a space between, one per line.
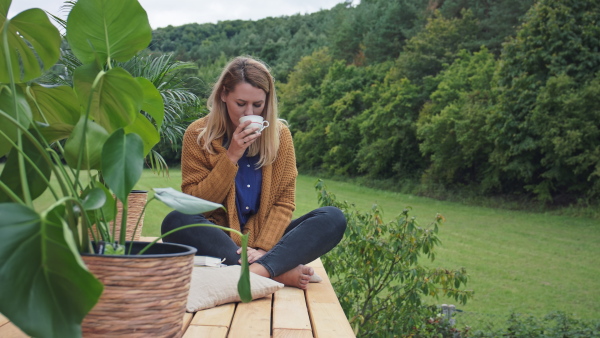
pixel 135 204
pixel 143 295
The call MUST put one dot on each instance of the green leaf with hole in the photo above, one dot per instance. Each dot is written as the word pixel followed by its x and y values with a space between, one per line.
pixel 33 44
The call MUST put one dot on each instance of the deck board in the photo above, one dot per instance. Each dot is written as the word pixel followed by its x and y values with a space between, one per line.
pixel 9 330
pixel 289 333
pixel 326 314
pixel 289 310
pixel 253 319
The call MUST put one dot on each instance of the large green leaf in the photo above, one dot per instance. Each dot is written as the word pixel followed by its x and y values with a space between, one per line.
pixel 122 162
pixel 86 139
pixel 58 110
pixel 184 203
pixel 18 110
pixel 33 44
pixel 153 102
pixel 116 97
pixel 4 5
pixel 108 29
pixel 57 131
pixel 46 288
pixel 146 130
pixel 37 180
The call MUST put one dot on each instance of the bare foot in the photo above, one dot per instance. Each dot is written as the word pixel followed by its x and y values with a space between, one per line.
pixel 297 277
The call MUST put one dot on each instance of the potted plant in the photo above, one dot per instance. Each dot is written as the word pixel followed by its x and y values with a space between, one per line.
pixel 84 144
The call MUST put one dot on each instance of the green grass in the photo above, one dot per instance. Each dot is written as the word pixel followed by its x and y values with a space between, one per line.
pixel 532 263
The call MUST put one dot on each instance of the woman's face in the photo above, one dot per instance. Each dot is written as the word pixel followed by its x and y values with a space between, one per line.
pixel 245 99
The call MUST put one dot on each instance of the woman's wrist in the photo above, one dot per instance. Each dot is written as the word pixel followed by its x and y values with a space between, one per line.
pixel 232 157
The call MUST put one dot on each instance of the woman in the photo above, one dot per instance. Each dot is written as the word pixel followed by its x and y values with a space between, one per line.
pixel 253 174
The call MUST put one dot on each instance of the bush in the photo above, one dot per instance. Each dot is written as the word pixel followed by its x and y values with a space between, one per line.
pixel 378 277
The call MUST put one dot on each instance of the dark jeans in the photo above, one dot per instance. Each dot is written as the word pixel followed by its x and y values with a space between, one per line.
pixel 305 239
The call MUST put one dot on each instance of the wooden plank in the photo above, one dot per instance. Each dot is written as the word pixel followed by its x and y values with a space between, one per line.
pixel 252 319
pixel 289 310
pixel 9 330
pixel 3 320
pixel 213 322
pixel 187 318
pixel 206 331
pixel 326 314
pixel 217 316
pixel 317 263
pixel 288 333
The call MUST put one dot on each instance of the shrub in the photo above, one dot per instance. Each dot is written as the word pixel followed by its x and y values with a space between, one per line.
pixel 378 277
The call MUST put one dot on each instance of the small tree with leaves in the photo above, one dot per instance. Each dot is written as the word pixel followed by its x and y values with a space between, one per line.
pixel 377 275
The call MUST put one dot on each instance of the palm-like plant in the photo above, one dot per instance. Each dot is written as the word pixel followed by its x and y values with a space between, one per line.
pixel 167 76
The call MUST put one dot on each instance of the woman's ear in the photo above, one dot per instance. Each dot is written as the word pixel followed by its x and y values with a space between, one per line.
pixel 223 95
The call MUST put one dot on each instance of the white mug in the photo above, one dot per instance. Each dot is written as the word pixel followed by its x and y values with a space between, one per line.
pixel 257 121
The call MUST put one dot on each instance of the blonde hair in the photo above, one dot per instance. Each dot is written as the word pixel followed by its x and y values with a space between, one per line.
pixel 255 73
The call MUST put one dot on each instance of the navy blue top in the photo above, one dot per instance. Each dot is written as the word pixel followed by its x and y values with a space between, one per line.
pixel 248 183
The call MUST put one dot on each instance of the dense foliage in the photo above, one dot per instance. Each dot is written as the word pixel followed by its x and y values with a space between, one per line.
pixel 499 97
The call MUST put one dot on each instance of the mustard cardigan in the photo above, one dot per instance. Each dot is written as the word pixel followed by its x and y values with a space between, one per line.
pixel 212 177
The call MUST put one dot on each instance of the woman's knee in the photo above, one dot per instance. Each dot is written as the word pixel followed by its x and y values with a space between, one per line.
pixel 336 220
pixel 173 220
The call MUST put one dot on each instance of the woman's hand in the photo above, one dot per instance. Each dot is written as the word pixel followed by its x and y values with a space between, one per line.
pixel 253 254
pixel 241 140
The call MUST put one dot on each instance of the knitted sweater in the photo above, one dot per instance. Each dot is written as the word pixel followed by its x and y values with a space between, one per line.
pixel 212 177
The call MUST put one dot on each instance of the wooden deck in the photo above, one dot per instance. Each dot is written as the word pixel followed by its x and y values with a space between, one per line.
pixel 290 312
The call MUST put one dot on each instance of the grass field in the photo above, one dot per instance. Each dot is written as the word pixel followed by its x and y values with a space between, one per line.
pixel 531 263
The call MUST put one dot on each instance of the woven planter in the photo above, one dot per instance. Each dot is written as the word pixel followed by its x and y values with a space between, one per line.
pixel 135 203
pixel 143 295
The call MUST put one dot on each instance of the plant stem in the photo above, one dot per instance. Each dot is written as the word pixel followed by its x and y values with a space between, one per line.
pixel 13 88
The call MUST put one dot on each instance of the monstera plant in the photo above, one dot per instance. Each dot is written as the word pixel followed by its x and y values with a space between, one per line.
pixel 83 143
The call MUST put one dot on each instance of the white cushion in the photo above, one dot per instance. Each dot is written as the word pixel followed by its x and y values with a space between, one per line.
pixel 212 286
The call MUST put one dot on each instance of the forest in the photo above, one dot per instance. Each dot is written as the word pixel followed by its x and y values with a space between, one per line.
pixel 493 97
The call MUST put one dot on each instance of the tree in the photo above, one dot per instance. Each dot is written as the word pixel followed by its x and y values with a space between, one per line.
pixel 496 19
pixel 391 23
pixel 557 45
pixel 388 145
pixel 436 45
pixel 300 105
pixel 452 127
